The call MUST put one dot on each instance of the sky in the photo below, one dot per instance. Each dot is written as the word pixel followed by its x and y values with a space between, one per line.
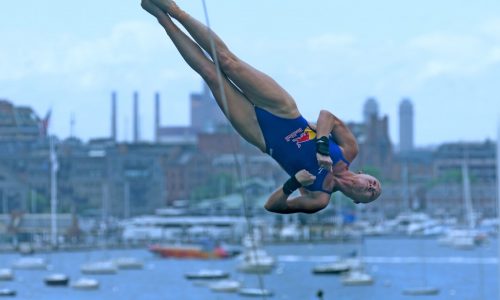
pixel 444 55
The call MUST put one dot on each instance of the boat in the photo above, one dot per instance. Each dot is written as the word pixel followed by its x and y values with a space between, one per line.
pixel 255 292
pixel 6 274
pixel 225 286
pixel 207 274
pixel 467 237
pixel 25 249
pixel 128 263
pixel 56 280
pixel 99 268
pixel 86 284
pixel 421 291
pixel 338 267
pixel 7 293
pixel 357 277
pixel 188 251
pixel 30 263
pixel 256 261
pixel 462 238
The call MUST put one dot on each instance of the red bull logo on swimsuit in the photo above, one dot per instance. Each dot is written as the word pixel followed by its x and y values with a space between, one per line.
pixel 300 136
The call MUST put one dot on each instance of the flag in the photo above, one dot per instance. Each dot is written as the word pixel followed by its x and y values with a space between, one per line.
pixel 44 124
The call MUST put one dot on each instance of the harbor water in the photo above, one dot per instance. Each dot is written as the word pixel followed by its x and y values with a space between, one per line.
pixel 395 263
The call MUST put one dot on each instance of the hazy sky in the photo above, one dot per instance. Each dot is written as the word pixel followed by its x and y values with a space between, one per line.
pixel 444 55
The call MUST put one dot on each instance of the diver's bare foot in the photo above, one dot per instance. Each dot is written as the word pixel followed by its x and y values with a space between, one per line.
pixel 151 8
pixel 168 6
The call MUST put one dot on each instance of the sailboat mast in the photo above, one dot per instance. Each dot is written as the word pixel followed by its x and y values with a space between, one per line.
pixel 498 195
pixel 406 190
pixel 467 193
pixel 53 193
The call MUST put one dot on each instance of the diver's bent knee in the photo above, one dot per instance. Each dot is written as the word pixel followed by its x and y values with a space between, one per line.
pixel 228 62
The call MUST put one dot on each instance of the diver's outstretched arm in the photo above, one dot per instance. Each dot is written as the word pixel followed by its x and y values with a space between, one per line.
pixel 308 202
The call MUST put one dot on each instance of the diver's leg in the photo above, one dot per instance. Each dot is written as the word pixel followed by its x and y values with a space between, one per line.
pixel 240 111
pixel 260 89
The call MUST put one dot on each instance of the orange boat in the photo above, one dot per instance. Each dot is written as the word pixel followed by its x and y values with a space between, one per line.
pixel 188 251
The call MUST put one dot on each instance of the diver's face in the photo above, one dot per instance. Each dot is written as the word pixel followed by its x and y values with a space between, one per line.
pixel 365 189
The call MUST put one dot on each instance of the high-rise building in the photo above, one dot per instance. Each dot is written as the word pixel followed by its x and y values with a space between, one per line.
pixel 370 109
pixel 405 126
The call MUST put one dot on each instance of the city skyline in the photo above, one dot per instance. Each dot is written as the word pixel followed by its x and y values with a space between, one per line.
pixel 327 55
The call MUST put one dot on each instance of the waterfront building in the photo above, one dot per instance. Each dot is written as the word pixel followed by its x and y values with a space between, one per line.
pixel 33 228
pixel 479 156
pixel 18 123
pixel 119 180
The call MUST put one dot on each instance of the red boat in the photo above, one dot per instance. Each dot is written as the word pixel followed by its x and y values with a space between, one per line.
pixel 188 251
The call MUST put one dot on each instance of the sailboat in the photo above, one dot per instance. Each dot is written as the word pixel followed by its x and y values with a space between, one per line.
pixel 56 279
pixel 498 191
pixel 469 237
pixel 424 289
pixel 339 266
pixel 254 259
pixel 105 266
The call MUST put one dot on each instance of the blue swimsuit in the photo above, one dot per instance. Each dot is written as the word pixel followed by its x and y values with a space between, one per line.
pixel 292 143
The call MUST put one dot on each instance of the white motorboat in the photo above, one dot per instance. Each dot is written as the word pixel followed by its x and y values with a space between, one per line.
pixel 226 286
pixel 255 292
pixel 7 293
pixel 128 263
pixel 6 274
pixel 338 267
pixel 357 277
pixel 421 291
pixel 56 280
pixel 25 248
pixel 30 263
pixel 461 238
pixel 256 261
pixel 86 284
pixel 207 274
pixel 99 268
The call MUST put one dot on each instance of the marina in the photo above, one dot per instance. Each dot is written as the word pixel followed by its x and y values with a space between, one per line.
pixel 396 269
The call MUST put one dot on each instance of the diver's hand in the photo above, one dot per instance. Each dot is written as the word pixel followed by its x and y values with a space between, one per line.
pixel 324 161
pixel 304 177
